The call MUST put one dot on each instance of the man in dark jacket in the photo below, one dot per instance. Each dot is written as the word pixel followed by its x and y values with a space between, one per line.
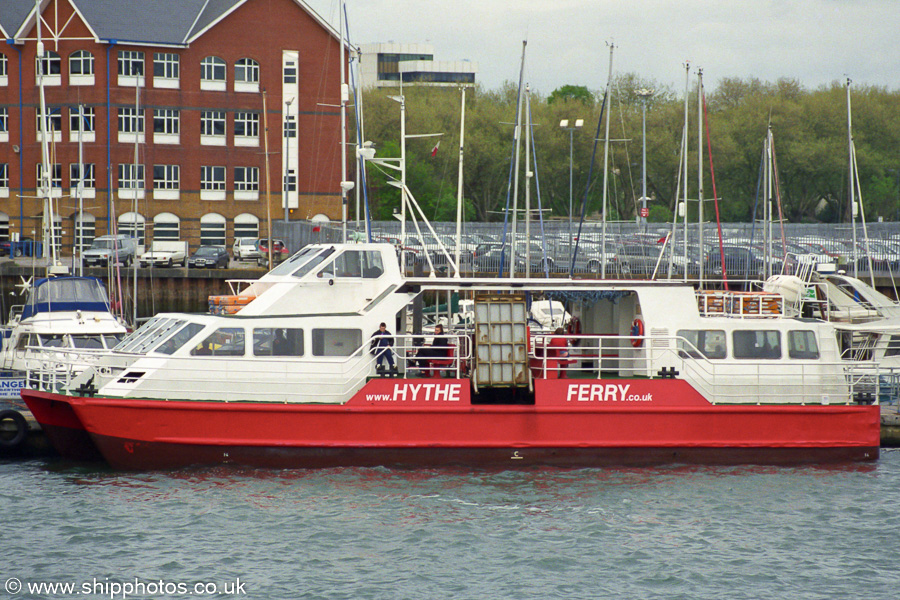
pixel 382 340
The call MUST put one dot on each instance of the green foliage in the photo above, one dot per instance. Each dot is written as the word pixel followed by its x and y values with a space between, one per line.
pixel 808 128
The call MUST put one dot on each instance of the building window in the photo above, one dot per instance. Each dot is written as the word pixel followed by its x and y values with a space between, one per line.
pixel 133 225
pixel 212 128
pixel 290 126
pixel 4 70
pixel 4 124
pixel 246 129
pixel 165 70
pixel 212 230
pixel 166 226
pixel 246 226
pixel 4 180
pixel 52 124
pixel 90 184
pixel 290 181
pixel 246 184
pixel 55 177
pixel 131 125
pixel 131 181
pixel 166 182
pixel 166 126
pixel 131 67
pixel 50 66
pixel 81 121
pixel 81 68
pixel 212 183
pixel 212 74
pixel 246 75
pixel 290 71
pixel 85 230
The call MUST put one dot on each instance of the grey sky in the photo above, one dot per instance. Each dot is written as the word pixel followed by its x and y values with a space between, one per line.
pixel 815 41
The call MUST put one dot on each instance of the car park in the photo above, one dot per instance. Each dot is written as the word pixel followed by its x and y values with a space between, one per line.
pixel 245 249
pixel 209 257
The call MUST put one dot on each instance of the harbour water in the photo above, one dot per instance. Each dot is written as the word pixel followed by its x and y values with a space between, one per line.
pixel 751 532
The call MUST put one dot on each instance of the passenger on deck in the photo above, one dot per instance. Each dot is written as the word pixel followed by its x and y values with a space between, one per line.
pixel 382 340
pixel 440 348
pixel 558 352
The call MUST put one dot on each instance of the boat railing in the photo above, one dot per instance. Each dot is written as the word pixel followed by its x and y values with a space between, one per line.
pixel 15 311
pixel 719 380
pixel 418 355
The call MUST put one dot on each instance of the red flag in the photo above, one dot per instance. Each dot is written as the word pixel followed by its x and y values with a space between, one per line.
pixel 434 150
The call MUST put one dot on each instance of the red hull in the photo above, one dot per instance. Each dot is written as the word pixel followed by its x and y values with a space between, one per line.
pixel 424 422
pixel 61 426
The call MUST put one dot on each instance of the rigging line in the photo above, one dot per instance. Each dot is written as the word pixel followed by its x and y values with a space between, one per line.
pixel 588 187
pixel 627 157
pixel 712 174
pixel 678 183
pixel 778 201
pixel 537 183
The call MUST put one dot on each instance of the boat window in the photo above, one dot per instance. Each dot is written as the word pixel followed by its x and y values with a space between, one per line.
pixel 25 341
pixel 803 344
pixel 268 341
pixel 148 336
pixel 53 341
pixel 336 342
pixel 113 339
pixel 757 344
pixel 694 343
pixel 88 342
pixel 313 263
pixel 893 346
pixel 180 338
pixel 359 263
pixel 225 341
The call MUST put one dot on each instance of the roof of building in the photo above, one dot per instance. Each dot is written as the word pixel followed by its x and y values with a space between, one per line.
pixel 167 22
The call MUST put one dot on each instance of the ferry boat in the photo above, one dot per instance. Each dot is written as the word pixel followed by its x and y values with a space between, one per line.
pixel 648 372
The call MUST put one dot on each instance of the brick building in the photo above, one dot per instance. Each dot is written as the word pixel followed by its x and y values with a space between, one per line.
pixel 180 85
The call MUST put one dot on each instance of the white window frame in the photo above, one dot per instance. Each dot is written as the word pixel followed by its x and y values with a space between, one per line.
pixel 53 124
pixel 166 227
pixel 4 70
pixel 212 182
pixel 248 124
pixel 209 119
pixel 289 126
pixel 166 126
pixel 290 72
pixel 4 180
pixel 171 66
pixel 86 224
pixel 89 134
pixel 55 178
pixel 131 125
pixel 210 69
pixel 50 59
pixel 167 187
pixel 212 230
pixel 246 75
pixel 132 223
pixel 127 63
pixel 4 124
pixel 246 225
pixel 90 180
pixel 246 183
pixel 131 181
pixel 86 60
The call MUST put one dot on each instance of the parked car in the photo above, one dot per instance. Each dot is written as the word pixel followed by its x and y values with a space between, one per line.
pixel 107 248
pixel 638 258
pixel 245 248
pixel 279 252
pixel 740 263
pixel 165 253
pixel 209 257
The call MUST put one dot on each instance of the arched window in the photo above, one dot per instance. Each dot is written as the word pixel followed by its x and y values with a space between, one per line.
pixel 4 226
pixel 246 75
pixel 212 230
pixel 81 68
pixel 246 226
pixel 212 74
pixel 133 225
pixel 166 226
pixel 85 230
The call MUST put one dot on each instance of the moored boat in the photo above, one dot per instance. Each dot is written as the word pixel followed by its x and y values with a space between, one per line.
pixel 291 378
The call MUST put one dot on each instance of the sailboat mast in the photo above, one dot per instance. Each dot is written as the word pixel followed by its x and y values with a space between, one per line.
pixel 700 169
pixel 459 184
pixel 528 174
pixel 345 96
pixel 851 182
pixel 45 184
pixel 518 134
pixel 684 174
pixel 605 109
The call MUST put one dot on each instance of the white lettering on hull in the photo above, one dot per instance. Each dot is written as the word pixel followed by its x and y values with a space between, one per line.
pixel 604 392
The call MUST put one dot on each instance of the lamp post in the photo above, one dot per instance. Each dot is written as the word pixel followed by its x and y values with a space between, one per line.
pixel 643 94
pixel 579 123
pixel 287 166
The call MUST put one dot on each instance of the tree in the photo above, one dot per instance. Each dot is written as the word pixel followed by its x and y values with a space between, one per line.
pixel 572 93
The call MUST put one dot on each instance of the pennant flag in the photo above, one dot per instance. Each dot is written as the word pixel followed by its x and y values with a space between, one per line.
pixel 434 150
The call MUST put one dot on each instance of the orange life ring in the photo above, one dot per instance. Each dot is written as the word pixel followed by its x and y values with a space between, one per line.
pixel 637 330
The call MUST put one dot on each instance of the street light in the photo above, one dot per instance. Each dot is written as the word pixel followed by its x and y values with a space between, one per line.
pixel 643 94
pixel 579 123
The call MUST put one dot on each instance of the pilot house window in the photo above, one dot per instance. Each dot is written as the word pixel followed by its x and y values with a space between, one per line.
pixel 757 344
